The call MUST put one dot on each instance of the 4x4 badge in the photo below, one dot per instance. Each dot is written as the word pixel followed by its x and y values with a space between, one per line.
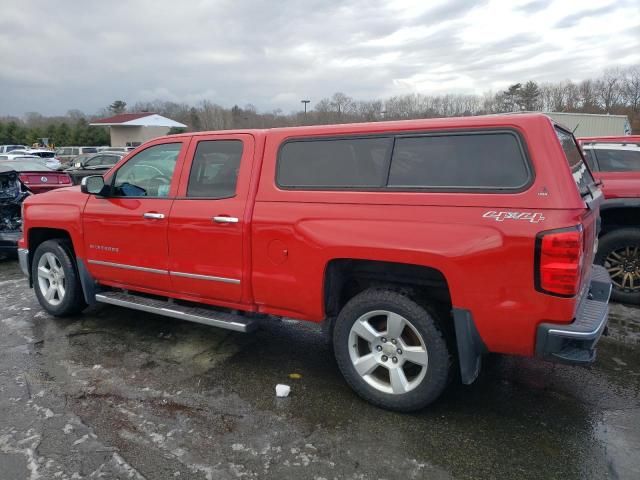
pixel 502 216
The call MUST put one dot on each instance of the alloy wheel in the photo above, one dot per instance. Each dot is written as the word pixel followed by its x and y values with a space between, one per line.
pixel 51 279
pixel 387 351
pixel 623 265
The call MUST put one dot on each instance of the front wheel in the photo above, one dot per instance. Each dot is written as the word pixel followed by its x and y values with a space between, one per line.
pixel 619 253
pixel 55 280
pixel 391 350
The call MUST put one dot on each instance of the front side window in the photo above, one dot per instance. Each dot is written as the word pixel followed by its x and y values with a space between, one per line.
pixel 613 160
pixel 214 172
pixel 149 173
pixel 92 162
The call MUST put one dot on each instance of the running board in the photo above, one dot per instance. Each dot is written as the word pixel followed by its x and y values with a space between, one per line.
pixel 205 316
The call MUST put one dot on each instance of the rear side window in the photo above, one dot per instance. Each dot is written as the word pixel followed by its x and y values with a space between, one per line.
pixel 454 161
pixel 581 173
pixel 488 161
pixel 214 172
pixel 612 160
pixel 334 163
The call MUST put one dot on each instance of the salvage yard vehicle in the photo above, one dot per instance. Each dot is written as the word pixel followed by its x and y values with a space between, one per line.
pixel 67 154
pixel 93 164
pixel 10 148
pixel 48 156
pixel 12 194
pixel 615 161
pixel 421 245
pixel 38 178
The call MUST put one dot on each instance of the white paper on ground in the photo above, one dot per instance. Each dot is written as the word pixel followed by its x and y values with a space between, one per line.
pixel 282 390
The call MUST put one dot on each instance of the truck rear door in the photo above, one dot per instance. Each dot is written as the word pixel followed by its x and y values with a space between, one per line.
pixel 206 224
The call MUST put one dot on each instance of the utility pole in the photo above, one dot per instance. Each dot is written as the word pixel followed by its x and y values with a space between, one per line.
pixel 305 107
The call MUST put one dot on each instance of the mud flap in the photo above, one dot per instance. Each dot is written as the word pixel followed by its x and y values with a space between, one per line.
pixel 470 345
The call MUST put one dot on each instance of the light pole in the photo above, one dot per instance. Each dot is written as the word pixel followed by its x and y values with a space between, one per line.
pixel 305 107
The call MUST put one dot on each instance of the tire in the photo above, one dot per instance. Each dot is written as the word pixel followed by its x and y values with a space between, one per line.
pixel 619 253
pixel 363 335
pixel 59 292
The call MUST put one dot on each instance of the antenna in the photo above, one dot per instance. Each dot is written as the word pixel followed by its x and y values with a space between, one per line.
pixel 574 130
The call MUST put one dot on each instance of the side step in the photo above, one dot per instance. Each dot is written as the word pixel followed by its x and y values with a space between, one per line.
pixel 205 316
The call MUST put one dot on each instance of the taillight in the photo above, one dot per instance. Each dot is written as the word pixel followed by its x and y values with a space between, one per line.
pixel 23 178
pixel 559 257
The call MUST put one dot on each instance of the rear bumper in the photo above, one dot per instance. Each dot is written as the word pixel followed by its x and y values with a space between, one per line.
pixel 575 342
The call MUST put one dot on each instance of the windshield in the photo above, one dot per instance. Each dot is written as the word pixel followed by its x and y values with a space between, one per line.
pixel 579 169
pixel 615 160
pixel 45 154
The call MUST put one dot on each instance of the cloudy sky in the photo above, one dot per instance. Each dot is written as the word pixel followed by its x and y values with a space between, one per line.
pixel 71 54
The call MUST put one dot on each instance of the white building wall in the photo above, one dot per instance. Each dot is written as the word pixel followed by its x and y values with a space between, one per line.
pixel 593 125
pixel 121 135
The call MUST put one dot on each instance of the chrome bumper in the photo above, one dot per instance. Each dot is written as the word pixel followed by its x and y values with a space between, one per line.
pixel 23 258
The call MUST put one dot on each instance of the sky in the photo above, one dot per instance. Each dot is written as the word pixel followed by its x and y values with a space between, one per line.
pixel 75 54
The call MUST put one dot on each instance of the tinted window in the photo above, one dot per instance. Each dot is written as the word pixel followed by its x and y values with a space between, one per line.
pixel 618 160
pixel 149 173
pixel 110 160
pixel 491 161
pixel 343 163
pixel 581 173
pixel 89 150
pixel 214 172
pixel 92 162
pixel 45 154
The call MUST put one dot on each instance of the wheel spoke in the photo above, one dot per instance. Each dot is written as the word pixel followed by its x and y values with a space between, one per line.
pixel 417 355
pixel 61 291
pixel 614 272
pixel 44 273
pixel 615 255
pixel 395 325
pixel 51 291
pixel 399 382
pixel 363 329
pixel 366 364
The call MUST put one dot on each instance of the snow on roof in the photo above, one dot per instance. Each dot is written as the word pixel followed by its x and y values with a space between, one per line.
pixel 145 119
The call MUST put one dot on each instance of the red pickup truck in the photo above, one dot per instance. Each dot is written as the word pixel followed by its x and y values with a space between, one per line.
pixel 420 244
pixel 615 161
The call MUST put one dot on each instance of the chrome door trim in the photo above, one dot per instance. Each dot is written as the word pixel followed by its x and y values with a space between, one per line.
pixel 153 215
pixel 128 267
pixel 206 277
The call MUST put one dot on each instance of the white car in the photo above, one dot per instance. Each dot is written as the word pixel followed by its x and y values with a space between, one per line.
pixel 48 156
pixel 9 148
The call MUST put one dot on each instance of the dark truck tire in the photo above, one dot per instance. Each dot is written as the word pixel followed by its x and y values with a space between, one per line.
pixel 55 279
pixel 619 253
pixel 391 350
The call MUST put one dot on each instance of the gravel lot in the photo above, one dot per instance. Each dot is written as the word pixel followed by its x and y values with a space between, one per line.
pixel 120 394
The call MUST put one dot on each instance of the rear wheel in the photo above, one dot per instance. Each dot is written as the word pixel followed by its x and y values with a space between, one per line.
pixel 55 279
pixel 391 350
pixel 619 253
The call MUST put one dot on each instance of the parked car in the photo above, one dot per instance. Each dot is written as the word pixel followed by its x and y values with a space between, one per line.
pixel 12 194
pixel 48 156
pixel 67 154
pixel 9 148
pixel 93 164
pixel 615 161
pixel 420 245
pixel 38 178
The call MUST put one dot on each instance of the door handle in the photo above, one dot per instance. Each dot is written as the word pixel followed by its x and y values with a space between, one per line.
pixel 221 219
pixel 153 215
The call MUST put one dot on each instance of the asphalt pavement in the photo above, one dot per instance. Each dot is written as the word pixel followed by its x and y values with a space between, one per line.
pixel 119 394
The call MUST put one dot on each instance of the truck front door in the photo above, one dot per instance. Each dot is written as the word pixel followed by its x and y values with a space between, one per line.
pixel 125 233
pixel 207 224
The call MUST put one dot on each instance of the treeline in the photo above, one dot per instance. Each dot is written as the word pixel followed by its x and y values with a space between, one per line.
pixel 72 129
pixel 616 91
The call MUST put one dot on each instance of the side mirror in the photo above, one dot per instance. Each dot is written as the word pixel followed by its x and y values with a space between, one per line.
pixel 93 185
